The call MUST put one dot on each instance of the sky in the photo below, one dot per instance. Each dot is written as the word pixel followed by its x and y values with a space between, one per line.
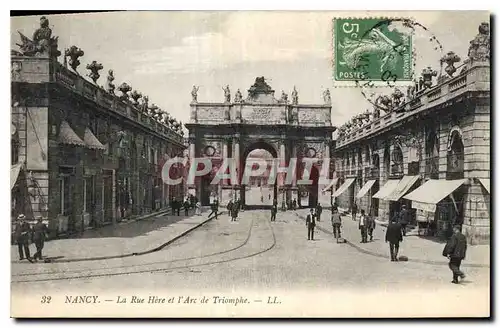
pixel 163 54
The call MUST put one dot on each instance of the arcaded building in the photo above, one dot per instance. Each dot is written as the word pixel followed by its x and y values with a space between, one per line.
pixel 428 149
pixel 83 155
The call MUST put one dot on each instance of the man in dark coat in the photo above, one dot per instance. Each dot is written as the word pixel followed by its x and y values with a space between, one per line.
pixel 394 236
pixel 310 224
pixel 363 227
pixel 404 219
pixel 319 209
pixel 455 250
pixel 215 209
pixel 22 233
pixel 274 210
pixel 39 237
pixel 354 211
pixel 187 205
pixel 371 226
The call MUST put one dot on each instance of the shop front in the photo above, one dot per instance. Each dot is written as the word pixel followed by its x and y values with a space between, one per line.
pixel 439 205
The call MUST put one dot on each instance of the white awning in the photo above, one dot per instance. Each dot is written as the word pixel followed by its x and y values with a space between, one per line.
pixel 14 173
pixel 387 189
pixel 486 184
pixel 402 188
pixel 91 140
pixel 68 136
pixel 343 187
pixel 432 192
pixel 368 185
pixel 332 184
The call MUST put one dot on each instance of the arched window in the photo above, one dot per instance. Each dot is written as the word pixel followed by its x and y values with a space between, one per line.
pixel 397 161
pixel 455 160
pixel 387 161
pixel 432 155
pixel 14 149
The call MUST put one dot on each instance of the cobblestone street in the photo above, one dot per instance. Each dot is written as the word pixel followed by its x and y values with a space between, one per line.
pixel 250 253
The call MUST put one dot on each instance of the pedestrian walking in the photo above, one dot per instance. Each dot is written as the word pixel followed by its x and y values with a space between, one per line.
pixel 215 208
pixel 186 207
pixel 198 208
pixel 310 224
pixel 39 237
pixel 394 236
pixel 319 210
pixel 371 226
pixel 354 211
pixel 22 233
pixel 234 212
pixel 294 204
pixel 336 222
pixel 274 210
pixel 363 226
pixel 404 219
pixel 455 250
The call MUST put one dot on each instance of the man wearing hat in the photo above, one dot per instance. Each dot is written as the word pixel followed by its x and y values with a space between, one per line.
pixel 39 236
pixel 455 250
pixel 22 234
pixel 404 219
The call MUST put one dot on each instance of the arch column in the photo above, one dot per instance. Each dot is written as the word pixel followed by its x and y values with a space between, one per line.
pixel 236 173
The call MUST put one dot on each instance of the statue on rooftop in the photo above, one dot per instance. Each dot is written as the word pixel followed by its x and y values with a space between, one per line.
pixel 42 44
pixel 479 49
pixel 295 96
pixel 194 94
pixel 326 97
pixel 227 94
pixel 284 97
pixel 110 87
pixel 238 97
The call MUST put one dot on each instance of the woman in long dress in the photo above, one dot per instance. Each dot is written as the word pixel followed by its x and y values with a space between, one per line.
pixel 198 208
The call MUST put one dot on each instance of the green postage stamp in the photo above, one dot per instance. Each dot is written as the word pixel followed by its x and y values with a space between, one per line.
pixel 371 52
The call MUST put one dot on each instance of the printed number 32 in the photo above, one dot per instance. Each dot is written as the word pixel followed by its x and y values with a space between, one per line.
pixel 350 28
pixel 45 299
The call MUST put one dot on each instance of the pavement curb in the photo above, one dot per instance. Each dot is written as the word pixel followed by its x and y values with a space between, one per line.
pixel 156 249
pixel 372 253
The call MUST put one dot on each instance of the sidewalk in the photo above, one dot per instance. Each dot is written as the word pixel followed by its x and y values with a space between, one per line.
pixel 134 237
pixel 416 248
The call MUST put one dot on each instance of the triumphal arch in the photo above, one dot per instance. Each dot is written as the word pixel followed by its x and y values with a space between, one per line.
pixel 233 128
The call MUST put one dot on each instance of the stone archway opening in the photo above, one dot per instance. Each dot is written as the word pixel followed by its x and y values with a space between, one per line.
pixel 258 191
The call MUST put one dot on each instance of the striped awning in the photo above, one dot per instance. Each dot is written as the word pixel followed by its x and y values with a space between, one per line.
pixel 402 188
pixel 343 187
pixel 91 140
pixel 368 185
pixel 432 192
pixel 68 136
pixel 14 173
pixel 387 189
pixel 486 184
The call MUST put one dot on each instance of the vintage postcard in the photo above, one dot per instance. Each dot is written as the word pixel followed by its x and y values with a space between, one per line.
pixel 251 164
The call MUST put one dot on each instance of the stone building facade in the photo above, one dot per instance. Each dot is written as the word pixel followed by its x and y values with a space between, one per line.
pixel 430 151
pixel 87 156
pixel 286 129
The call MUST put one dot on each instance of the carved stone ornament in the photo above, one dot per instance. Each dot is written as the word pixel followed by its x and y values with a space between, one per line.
pixel 194 94
pixel 74 53
pixel 135 95
pixel 110 87
pixel 450 59
pixel 479 49
pixel 427 75
pixel 209 151
pixel 238 96
pixel 94 68
pixel 43 44
pixel 124 88
pixel 295 96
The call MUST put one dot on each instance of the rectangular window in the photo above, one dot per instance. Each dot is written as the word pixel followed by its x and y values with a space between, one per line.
pixel 65 195
pixel 88 194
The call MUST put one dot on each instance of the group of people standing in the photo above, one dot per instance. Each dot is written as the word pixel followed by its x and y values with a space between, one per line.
pixel 234 209
pixel 24 235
